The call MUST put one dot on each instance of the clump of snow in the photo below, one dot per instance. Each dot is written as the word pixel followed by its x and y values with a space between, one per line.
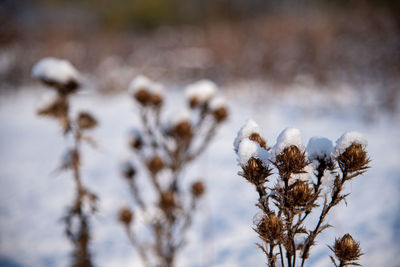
pixel 202 91
pixel 179 117
pixel 347 139
pixel 217 102
pixel 245 132
pixel 319 147
pixel 142 82
pixel 287 138
pixel 250 149
pixel 55 70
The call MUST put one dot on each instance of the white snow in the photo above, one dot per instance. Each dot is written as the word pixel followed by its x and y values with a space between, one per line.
pixel 179 117
pixel 217 102
pixel 349 138
pixel 249 149
pixel 55 70
pixel 245 132
pixel 257 219
pixel 142 82
pixel 319 147
pixel 202 90
pixel 287 138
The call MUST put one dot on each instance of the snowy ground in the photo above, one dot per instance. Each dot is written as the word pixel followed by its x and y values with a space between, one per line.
pixel 32 197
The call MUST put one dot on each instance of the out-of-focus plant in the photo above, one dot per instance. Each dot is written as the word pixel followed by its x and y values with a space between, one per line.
pixel 164 150
pixel 61 76
pixel 304 176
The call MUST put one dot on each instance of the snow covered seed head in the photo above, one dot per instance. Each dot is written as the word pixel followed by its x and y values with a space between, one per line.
pixel 57 108
pixel 346 249
pixel 319 150
pixel 86 121
pixel 125 216
pixel 247 130
pixel 350 152
pixel 198 189
pixel 270 228
pixel 146 92
pixel 257 138
pixel 218 109
pixel 57 73
pixel 200 92
pixel 155 164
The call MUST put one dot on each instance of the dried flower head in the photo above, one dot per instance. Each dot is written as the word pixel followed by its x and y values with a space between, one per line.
pixel 155 164
pixel 143 96
pixel 220 114
pixel 135 139
pixel 198 189
pixel 86 121
pixel 291 160
pixel 257 138
pixel 255 171
pixel 270 228
pixel 354 158
pixel 300 194
pixel 58 108
pixel 156 99
pixel 125 216
pixel 167 201
pixel 346 249
pixel 182 130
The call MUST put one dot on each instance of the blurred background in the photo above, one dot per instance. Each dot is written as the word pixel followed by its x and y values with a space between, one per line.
pixel 323 66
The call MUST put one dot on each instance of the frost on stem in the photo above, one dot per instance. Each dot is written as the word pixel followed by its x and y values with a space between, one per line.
pixel 281 223
pixel 64 78
pixel 164 147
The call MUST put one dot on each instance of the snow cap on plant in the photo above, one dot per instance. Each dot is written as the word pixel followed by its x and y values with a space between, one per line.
pixel 250 129
pixel 200 92
pixel 218 108
pixel 58 73
pixel 351 152
pixel 146 91
pixel 319 147
pixel 347 139
pixel 288 137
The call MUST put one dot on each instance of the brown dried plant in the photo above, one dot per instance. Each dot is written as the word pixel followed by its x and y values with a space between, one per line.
pixel 61 76
pixel 164 150
pixel 307 182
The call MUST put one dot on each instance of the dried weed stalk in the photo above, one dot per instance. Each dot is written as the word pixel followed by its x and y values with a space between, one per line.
pixel 164 150
pixel 308 181
pixel 61 76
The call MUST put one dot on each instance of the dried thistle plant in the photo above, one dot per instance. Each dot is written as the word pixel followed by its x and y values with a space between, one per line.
pixel 164 150
pixel 61 76
pixel 308 180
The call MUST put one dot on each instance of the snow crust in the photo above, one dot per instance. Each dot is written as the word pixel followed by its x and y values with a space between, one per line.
pixel 217 102
pixel 248 149
pixel 319 147
pixel 245 132
pixel 202 90
pixel 141 82
pixel 288 137
pixel 55 70
pixel 349 138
